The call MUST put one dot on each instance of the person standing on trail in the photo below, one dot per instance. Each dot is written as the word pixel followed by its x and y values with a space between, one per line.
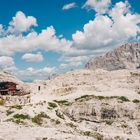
pixel 39 88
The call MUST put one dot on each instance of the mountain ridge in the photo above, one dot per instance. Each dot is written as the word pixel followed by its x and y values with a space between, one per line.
pixel 124 57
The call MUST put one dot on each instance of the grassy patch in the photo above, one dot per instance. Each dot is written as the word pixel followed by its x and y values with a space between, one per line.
pixel 136 101
pixel 63 102
pixel 84 98
pixel 52 105
pixel 21 116
pixel 2 102
pixel 89 97
pixel 43 115
pixel 38 119
pixel 17 121
pixel 124 99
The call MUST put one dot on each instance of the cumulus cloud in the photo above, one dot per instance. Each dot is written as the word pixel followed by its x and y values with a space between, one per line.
pixel 21 23
pixel 73 61
pixel 100 6
pixel 32 73
pixel 69 6
pixel 118 27
pixel 46 40
pixel 30 57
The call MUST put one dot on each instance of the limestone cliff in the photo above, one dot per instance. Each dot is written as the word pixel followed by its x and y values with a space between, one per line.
pixel 124 57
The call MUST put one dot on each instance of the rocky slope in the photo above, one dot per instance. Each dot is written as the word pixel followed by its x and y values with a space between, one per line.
pixel 124 57
pixel 77 105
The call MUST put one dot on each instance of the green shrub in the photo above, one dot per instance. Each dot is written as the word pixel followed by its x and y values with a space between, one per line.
pixel 21 116
pixel 84 98
pixel 136 101
pixel 17 121
pixel 52 105
pixel 43 115
pixel 89 97
pixel 38 119
pixel 63 102
pixel 124 99
pixel 101 97
pixel 57 122
pixel 18 118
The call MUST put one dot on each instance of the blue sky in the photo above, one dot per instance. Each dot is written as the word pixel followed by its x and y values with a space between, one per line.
pixel 87 27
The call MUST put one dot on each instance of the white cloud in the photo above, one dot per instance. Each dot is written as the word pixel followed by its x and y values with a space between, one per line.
pixel 30 57
pixel 46 40
pixel 72 61
pixel 100 6
pixel 6 62
pixel 44 71
pixel 21 23
pixel 32 73
pixel 109 31
pixel 69 65
pixel 69 6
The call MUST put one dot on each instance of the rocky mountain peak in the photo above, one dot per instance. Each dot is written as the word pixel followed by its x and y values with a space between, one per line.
pixel 125 57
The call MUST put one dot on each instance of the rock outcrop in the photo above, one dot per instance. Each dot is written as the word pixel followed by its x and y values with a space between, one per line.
pixel 124 57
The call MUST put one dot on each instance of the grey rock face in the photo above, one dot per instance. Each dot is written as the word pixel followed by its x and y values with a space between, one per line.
pixel 100 111
pixel 124 57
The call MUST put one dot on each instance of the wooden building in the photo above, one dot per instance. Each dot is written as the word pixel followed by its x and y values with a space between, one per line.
pixel 8 88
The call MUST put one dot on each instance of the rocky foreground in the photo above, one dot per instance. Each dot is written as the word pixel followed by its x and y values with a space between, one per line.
pixel 77 105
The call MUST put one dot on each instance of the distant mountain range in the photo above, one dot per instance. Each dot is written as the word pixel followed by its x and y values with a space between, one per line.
pixel 125 57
